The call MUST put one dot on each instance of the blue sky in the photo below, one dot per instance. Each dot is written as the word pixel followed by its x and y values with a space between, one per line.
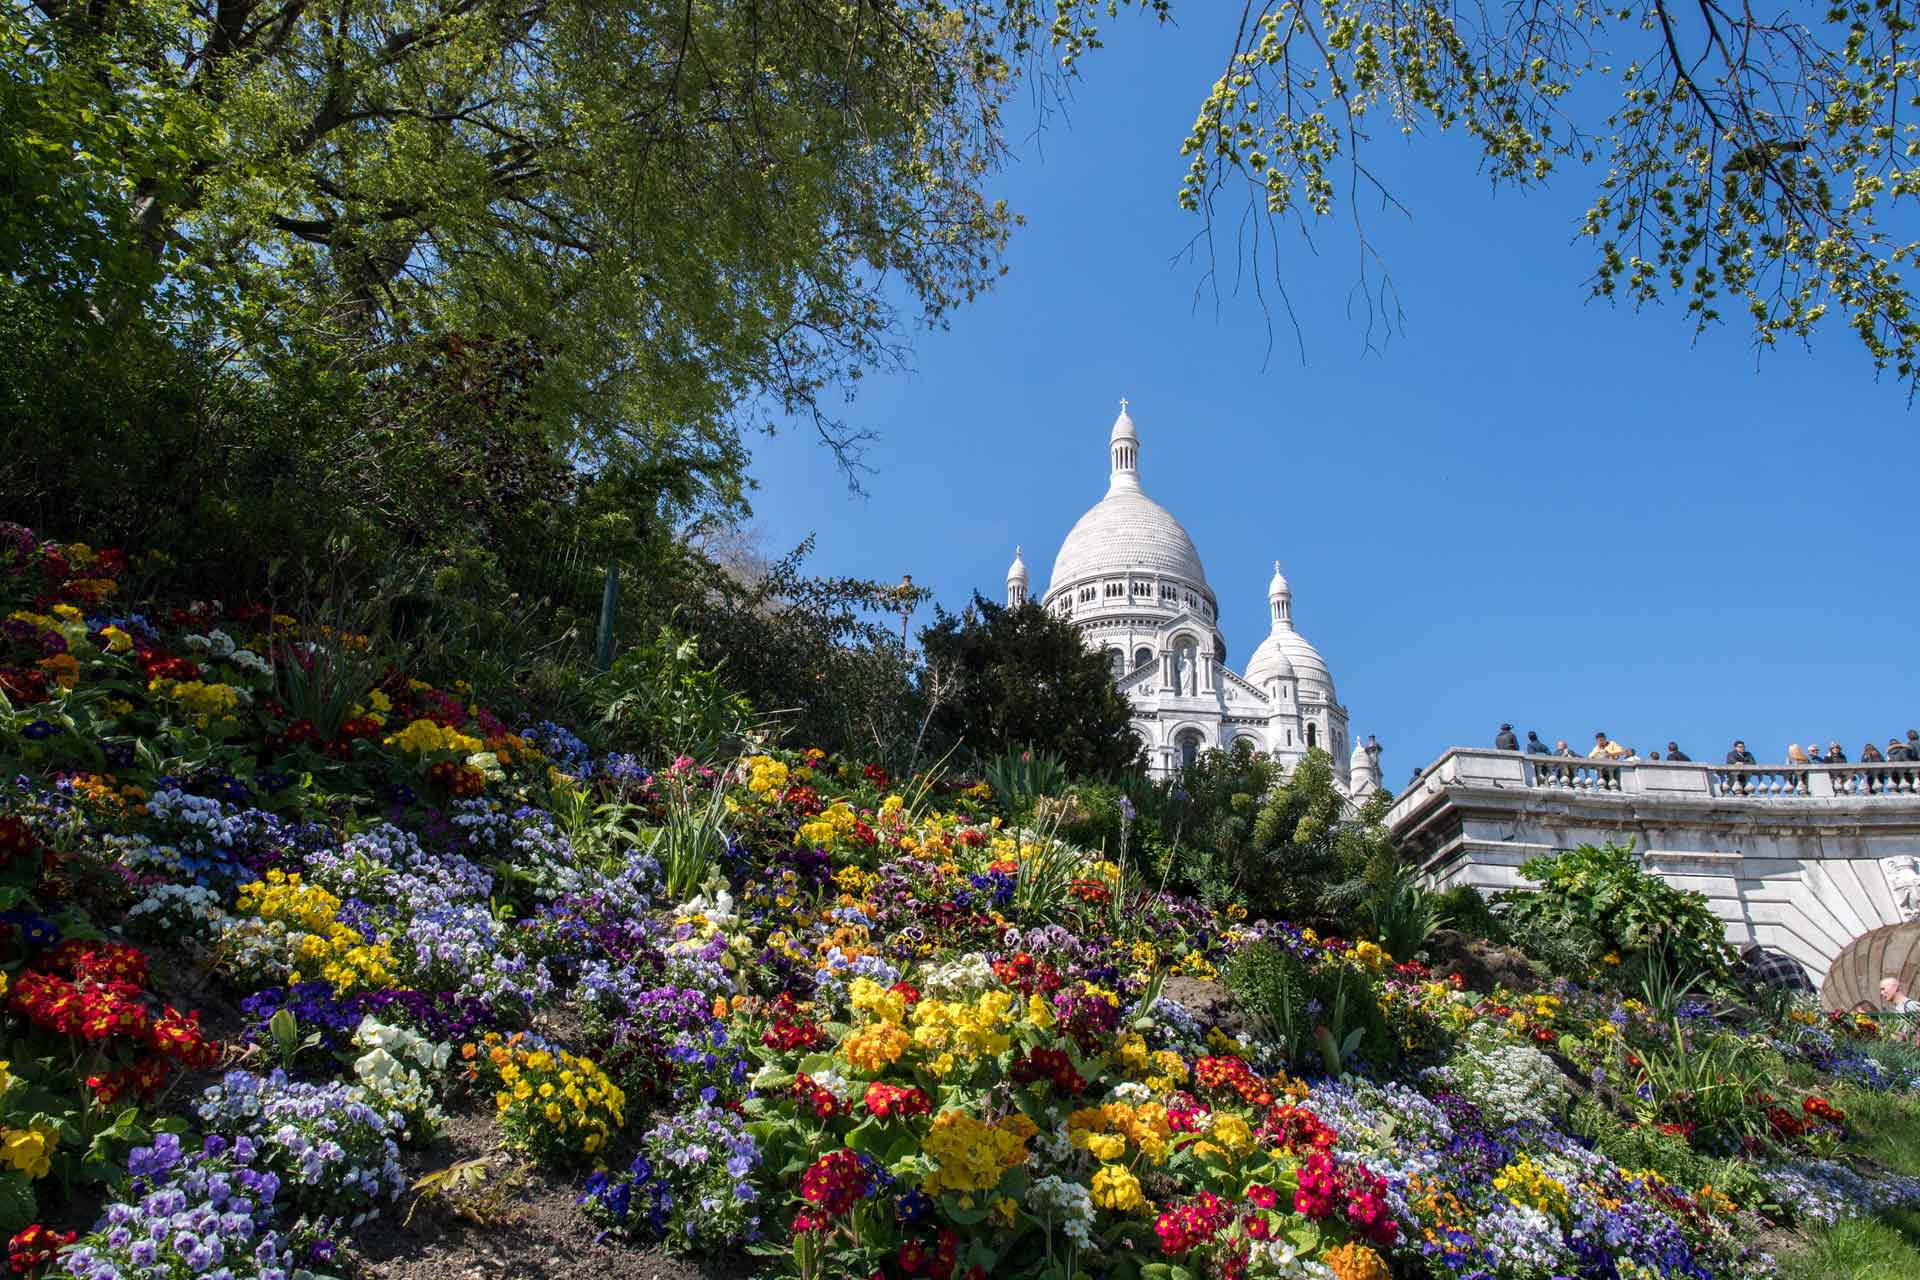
pixel 1526 507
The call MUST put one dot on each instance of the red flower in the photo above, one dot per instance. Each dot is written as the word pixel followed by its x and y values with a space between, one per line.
pixel 1819 1109
pixel 1048 1064
pixel 817 1100
pixel 892 1102
pixel 178 1035
pixel 35 1247
pixel 97 961
pixel 835 1182
pixel 17 840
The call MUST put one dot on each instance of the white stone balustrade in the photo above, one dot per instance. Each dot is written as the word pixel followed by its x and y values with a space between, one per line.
pixel 1890 779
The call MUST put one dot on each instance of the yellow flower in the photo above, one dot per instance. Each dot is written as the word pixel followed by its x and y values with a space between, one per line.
pixel 969 1154
pixel 874 1048
pixel 117 640
pixel 1117 1189
pixel 30 1150
pixel 425 736
pixel 63 667
pixel 1355 1261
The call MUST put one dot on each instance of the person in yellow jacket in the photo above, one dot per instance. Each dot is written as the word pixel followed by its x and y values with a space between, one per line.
pixel 1605 748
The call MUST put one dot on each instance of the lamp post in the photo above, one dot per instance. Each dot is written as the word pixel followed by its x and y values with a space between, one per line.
pixel 905 597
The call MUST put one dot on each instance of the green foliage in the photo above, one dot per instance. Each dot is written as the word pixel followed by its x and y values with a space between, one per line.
pixel 1596 900
pixel 812 653
pixel 664 701
pixel 1326 1011
pixel 1639 1146
pixel 1234 827
pixel 1046 874
pixel 1466 909
pixel 1886 1247
pixel 692 836
pixel 1019 778
pixel 1403 915
pixel 1024 678
pixel 1708 1080
pixel 1095 819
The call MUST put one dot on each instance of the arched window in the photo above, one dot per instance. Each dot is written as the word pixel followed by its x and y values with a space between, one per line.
pixel 1313 735
pixel 1189 742
pixel 1118 658
pixel 1142 656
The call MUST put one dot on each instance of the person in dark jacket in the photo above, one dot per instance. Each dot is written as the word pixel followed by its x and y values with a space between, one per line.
pixel 1535 747
pixel 1675 753
pixel 1913 742
pixel 1835 755
pixel 1504 740
pixel 1739 754
pixel 1898 750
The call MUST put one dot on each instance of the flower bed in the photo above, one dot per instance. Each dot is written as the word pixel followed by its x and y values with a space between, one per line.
pixel 782 1005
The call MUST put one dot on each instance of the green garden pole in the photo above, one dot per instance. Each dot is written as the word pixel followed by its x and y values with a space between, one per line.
pixel 609 601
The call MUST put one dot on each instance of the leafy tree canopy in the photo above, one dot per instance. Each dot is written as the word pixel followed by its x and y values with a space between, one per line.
pixel 1005 679
pixel 1754 164
pixel 694 213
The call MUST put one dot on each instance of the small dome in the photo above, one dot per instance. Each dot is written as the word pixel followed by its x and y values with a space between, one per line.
pixel 1278 587
pixel 1285 655
pixel 1017 571
pixel 1269 662
pixel 1308 665
pixel 1360 759
pixel 1123 427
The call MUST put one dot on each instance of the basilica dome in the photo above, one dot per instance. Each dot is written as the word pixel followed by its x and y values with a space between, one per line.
pixel 1126 531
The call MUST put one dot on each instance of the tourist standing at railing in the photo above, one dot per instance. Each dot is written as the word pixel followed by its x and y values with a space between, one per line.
pixel 1739 755
pixel 1632 756
pixel 1797 755
pixel 1674 753
pixel 1535 747
pixel 1866 783
pixel 1898 750
pixel 1504 740
pixel 1834 754
pixel 1913 742
pixel 1605 748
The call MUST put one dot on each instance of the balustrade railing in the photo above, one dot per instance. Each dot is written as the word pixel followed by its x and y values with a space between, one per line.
pixel 1889 778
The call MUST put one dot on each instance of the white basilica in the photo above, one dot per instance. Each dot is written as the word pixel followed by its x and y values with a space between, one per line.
pixel 1128 575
